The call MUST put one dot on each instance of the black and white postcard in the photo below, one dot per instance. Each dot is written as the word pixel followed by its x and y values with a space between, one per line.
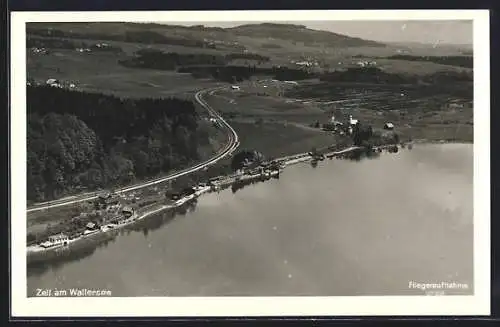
pixel 298 163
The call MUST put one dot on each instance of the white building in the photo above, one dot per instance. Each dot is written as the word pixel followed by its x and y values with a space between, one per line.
pixel 352 121
pixel 389 126
pixel 53 82
pixel 303 63
pixel 54 240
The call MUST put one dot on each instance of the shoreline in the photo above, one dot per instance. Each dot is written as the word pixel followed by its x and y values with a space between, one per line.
pixel 36 253
pixel 429 141
pixel 38 250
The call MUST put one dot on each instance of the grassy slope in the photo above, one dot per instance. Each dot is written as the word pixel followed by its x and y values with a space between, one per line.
pixel 100 71
pixel 329 48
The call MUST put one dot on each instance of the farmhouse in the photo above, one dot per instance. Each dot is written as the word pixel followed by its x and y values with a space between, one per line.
pixel 53 82
pixel 127 212
pixel 352 121
pixel 389 126
pixel 91 226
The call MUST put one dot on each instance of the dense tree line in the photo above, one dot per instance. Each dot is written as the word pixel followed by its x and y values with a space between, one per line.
pixel 89 140
pixel 378 76
pixel 157 59
pixel 461 61
pixel 146 37
pixel 445 77
pixel 361 134
pixel 238 161
pixel 270 46
pixel 150 37
pixel 364 135
pixel 247 56
pixel 202 65
pixel 367 75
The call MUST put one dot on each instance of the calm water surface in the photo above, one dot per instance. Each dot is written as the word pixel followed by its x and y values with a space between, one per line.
pixel 342 228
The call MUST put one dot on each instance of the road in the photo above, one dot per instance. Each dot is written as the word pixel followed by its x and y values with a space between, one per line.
pixel 231 145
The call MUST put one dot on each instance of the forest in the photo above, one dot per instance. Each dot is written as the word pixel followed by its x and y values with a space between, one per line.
pixel 376 75
pixel 232 74
pixel 85 141
pixel 157 59
pixel 461 61
pixel 202 65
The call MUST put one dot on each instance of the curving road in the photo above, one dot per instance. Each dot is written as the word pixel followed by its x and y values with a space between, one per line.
pixel 231 145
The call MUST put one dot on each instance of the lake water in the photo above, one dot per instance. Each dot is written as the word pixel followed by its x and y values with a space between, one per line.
pixel 342 228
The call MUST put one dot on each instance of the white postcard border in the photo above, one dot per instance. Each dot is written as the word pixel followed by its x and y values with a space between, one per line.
pixel 478 304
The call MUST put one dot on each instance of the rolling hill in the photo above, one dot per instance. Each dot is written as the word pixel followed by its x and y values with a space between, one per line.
pixel 300 33
pixel 200 36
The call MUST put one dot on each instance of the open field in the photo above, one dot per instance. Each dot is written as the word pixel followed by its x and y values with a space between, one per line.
pixel 257 109
pixel 276 139
pixel 100 72
pixel 329 50
pixel 418 113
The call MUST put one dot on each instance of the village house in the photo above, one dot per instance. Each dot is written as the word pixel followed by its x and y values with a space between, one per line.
pixel 388 126
pixel 127 212
pixel 105 200
pixel 172 195
pixel 53 82
pixel 352 121
pixel 57 239
pixel 39 50
pixel 91 226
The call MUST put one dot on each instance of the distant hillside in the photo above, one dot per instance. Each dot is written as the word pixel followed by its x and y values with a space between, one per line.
pixel 196 36
pixel 300 33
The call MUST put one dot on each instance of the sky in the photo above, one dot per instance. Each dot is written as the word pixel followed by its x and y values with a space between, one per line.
pixel 447 32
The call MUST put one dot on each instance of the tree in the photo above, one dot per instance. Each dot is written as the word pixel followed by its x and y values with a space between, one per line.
pixel 71 142
pixel 361 134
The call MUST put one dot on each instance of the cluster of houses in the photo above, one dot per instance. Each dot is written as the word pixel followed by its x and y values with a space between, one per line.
pixel 97 45
pixel 366 63
pixel 341 127
pixel 126 215
pixel 177 195
pixel 111 212
pixel 56 83
pixel 305 63
pixel 102 45
pixel 106 200
pixel 39 50
pixel 250 167
pixel 348 127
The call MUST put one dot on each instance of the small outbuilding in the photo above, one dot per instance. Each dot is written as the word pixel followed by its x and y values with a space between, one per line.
pixel 127 212
pixel 389 126
pixel 91 226
pixel 53 82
